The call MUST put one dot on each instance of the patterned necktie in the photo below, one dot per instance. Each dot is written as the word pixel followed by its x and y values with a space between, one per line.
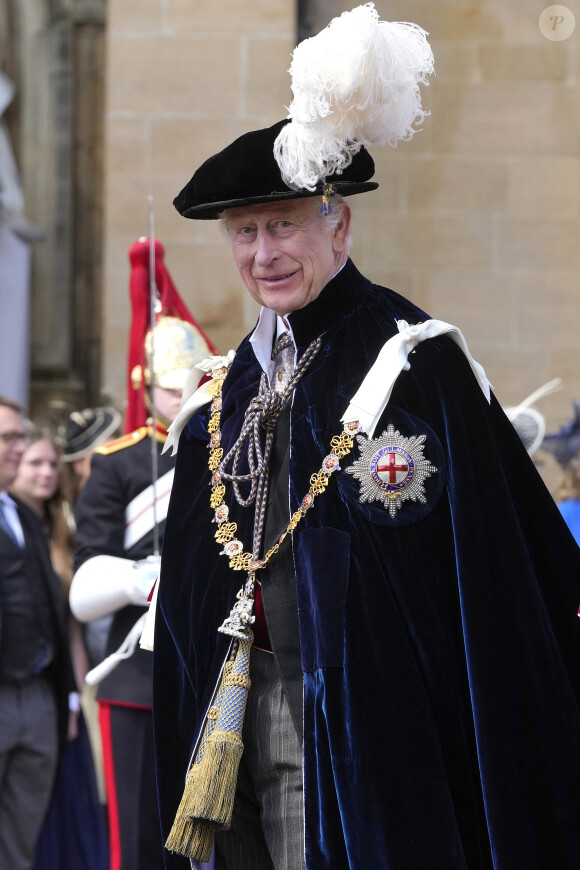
pixel 283 355
pixel 6 527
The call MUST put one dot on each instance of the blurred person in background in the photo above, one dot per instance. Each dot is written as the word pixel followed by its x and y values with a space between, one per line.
pixel 38 484
pixel 564 444
pixel 74 833
pixel 82 433
pixel 80 436
pixel 529 423
pixel 120 516
pixel 38 697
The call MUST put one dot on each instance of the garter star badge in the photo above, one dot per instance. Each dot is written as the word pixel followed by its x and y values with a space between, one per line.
pixel 391 469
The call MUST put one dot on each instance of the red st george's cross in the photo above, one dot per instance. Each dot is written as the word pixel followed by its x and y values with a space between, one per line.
pixel 391 467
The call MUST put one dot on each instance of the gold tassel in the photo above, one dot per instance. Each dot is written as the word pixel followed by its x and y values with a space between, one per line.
pixel 215 781
pixel 210 787
pixel 195 840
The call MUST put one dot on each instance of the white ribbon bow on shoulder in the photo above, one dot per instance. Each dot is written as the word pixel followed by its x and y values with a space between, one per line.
pixel 195 397
pixel 371 398
pixel 366 406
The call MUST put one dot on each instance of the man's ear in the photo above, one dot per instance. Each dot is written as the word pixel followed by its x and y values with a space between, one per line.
pixel 341 233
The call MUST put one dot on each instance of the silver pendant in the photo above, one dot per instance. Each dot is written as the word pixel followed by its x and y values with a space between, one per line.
pixel 391 469
pixel 241 617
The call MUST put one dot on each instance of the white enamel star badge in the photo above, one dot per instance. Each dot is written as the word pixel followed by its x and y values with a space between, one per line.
pixel 391 469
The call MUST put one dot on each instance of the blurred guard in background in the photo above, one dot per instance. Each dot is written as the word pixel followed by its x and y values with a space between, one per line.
pixel 120 521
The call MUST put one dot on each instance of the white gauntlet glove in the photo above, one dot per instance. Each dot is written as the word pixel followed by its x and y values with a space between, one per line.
pixel 105 584
pixel 145 573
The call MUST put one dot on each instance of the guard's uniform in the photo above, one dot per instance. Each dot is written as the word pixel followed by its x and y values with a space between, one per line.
pixel 115 517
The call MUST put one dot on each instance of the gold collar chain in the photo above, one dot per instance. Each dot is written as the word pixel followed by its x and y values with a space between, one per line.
pixel 241 617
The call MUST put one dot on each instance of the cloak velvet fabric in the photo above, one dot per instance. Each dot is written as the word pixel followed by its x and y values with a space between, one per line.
pixel 440 648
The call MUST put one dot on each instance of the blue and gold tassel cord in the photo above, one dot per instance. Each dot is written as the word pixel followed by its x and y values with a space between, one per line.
pixel 210 787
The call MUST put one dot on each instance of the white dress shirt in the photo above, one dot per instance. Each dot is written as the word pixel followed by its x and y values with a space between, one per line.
pixel 12 518
pixel 269 325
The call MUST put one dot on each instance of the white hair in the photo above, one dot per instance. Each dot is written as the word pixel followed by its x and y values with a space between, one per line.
pixel 332 219
pixel 336 205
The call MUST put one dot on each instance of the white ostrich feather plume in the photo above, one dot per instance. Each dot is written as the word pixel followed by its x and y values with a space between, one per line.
pixel 355 83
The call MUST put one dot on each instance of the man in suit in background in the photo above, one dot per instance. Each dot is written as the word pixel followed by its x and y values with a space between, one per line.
pixel 37 688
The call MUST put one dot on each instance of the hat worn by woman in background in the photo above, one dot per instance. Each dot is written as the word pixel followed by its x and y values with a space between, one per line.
pixel 564 444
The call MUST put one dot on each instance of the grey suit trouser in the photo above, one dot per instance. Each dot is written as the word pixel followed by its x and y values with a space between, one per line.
pixel 28 760
pixel 267 831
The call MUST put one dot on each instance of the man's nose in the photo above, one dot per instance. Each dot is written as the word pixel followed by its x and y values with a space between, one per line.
pixel 265 247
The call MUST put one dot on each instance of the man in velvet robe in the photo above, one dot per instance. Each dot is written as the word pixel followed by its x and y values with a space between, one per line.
pixel 430 653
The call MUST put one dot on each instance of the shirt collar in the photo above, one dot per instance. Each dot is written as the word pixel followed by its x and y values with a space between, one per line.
pixel 7 500
pixel 12 516
pixel 269 327
pixel 263 336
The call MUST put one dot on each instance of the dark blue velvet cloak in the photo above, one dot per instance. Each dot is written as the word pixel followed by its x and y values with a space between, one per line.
pixel 440 648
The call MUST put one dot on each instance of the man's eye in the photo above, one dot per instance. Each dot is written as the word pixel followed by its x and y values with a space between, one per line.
pixel 245 232
pixel 283 227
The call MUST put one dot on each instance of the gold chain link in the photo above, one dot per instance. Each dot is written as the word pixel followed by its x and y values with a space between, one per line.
pixel 241 562
pixel 340 445
pixel 217 495
pixel 215 457
pixel 225 532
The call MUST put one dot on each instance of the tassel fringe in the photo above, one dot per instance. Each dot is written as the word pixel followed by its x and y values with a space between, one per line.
pixel 208 798
pixel 194 840
pixel 212 799
pixel 210 787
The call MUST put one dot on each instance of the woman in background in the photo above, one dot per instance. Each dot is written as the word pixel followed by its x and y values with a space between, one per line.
pixel 74 833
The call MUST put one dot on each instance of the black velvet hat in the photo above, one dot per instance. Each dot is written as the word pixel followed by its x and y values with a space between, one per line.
pixel 86 430
pixel 246 173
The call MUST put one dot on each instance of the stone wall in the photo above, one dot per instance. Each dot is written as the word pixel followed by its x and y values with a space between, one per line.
pixel 184 79
pixel 55 58
pixel 477 218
